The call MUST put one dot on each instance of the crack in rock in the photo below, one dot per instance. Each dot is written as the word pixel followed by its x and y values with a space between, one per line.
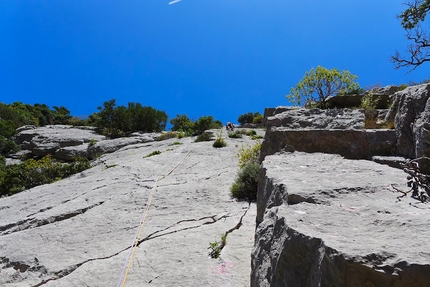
pixel 33 222
pixel 212 219
pixel 64 272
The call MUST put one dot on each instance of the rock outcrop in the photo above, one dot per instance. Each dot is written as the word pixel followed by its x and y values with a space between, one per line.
pixel 79 231
pixel 411 115
pixel 299 118
pixel 67 142
pixel 323 220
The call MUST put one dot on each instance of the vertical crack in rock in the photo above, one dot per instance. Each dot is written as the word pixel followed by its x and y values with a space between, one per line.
pixel 33 222
pixel 217 250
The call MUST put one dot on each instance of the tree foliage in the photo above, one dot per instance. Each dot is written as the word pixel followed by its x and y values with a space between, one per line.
pixel 183 124
pixel 419 49
pixel 320 83
pixel 30 173
pixel 120 120
pixel 250 118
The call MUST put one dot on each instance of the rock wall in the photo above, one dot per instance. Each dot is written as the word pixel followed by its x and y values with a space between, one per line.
pixel 353 144
pixel 410 112
pixel 323 220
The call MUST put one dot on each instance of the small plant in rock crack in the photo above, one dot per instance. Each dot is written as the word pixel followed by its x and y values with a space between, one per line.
pixel 153 153
pixel 216 247
pixel 219 142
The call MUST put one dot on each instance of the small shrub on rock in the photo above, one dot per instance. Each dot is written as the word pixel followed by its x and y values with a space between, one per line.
pixel 206 136
pixel 246 183
pixel 235 135
pixel 167 135
pixel 248 153
pixel 219 142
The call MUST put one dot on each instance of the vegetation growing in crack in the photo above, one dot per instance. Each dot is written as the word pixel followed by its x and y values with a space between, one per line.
pixel 156 152
pixel 30 173
pixel 216 246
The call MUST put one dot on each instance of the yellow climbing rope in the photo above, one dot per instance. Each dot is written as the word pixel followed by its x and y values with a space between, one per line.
pixel 127 266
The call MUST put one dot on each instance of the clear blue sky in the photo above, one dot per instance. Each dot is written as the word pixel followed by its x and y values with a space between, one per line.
pixel 196 57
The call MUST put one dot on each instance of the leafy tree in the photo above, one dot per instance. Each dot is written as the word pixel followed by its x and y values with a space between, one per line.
pixel 249 118
pixel 182 124
pixel 320 83
pixel 205 123
pixel 411 20
pixel 118 120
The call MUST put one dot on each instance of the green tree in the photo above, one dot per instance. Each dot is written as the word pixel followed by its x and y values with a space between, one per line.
pixel 411 20
pixel 249 118
pixel 320 83
pixel 182 124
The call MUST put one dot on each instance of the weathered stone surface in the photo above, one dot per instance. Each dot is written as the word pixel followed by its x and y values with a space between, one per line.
pixel 318 119
pixel 108 146
pixel 49 139
pixel 393 161
pixel 353 144
pixel 66 142
pixel 78 231
pixel 411 115
pixel 328 221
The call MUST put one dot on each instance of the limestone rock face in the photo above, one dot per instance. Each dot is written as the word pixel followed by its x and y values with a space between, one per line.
pixel 79 231
pixel 67 142
pixel 327 221
pixel 411 115
pixel 353 144
pixel 300 118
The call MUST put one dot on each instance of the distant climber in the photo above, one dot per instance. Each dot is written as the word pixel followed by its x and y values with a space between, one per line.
pixel 229 126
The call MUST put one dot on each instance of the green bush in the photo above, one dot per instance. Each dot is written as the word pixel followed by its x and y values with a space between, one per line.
pixel 248 153
pixel 204 137
pixel 235 135
pixel 250 133
pixel 248 118
pixel 246 184
pixel 31 173
pixel 168 135
pixel 258 119
pixel 8 146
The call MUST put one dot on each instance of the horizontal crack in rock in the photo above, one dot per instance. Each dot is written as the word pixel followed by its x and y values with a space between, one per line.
pixel 33 223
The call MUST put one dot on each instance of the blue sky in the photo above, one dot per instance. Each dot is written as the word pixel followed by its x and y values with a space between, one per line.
pixel 196 57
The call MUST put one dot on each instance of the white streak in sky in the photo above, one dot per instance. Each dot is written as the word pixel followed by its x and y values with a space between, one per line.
pixel 174 1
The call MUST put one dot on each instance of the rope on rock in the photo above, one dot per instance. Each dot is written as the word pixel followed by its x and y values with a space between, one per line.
pixel 127 266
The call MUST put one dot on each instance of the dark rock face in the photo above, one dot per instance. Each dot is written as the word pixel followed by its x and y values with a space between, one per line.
pixel 411 115
pixel 353 144
pixel 327 221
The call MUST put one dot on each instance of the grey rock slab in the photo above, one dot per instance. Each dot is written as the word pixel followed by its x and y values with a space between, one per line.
pixel 327 221
pixel 79 231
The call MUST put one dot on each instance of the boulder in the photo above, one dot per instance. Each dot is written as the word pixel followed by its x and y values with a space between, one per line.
pixel 317 119
pixel 353 144
pixel 323 220
pixel 410 112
